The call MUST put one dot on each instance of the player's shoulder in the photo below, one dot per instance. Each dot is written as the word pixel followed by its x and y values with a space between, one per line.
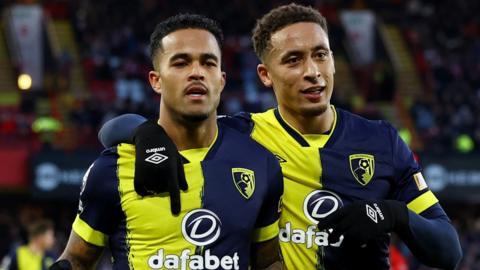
pixel 245 121
pixel 108 157
pixel 241 142
pixel 105 166
pixel 242 122
pixel 354 123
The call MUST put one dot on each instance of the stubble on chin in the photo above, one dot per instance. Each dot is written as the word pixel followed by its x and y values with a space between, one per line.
pixel 194 118
pixel 318 110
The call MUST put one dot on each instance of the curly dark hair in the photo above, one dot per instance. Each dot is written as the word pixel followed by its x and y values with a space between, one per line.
pixel 279 18
pixel 182 21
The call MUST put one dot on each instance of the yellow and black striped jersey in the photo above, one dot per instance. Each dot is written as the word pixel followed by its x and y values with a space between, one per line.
pixel 233 199
pixel 358 159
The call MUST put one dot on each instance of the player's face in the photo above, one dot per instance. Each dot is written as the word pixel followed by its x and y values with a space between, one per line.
pixel 300 69
pixel 48 239
pixel 189 76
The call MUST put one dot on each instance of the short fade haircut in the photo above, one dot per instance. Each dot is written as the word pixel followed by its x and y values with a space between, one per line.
pixel 278 19
pixel 182 21
pixel 39 227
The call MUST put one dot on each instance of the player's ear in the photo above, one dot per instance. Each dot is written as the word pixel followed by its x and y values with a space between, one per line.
pixel 155 81
pixel 224 80
pixel 263 74
pixel 333 62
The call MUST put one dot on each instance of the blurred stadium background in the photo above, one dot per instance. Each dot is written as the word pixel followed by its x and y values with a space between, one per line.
pixel 68 66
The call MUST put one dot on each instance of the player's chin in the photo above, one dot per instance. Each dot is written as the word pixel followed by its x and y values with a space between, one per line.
pixel 314 109
pixel 196 116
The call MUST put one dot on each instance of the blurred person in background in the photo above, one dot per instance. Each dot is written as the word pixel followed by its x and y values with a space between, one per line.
pixel 35 255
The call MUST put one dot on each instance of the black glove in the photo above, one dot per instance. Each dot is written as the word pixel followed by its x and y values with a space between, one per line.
pixel 61 265
pixel 362 221
pixel 158 165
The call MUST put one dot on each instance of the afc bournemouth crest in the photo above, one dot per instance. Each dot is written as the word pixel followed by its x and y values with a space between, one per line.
pixel 362 167
pixel 244 180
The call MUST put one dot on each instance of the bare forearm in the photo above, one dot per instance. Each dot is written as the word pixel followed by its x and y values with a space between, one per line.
pixel 81 254
pixel 77 264
pixel 275 266
pixel 266 255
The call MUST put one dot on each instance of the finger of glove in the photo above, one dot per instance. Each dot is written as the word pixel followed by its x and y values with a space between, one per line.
pixel 355 237
pixel 182 181
pixel 331 220
pixel 174 191
pixel 148 130
pixel 341 228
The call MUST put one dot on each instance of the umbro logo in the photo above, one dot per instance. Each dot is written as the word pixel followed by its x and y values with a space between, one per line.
pixel 156 158
pixel 374 213
pixel 371 213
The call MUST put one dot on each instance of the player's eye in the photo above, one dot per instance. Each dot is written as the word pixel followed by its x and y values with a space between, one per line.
pixel 292 60
pixel 322 55
pixel 211 63
pixel 180 63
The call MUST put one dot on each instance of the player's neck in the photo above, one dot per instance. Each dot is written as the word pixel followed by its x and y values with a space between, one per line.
pixel 190 135
pixel 309 124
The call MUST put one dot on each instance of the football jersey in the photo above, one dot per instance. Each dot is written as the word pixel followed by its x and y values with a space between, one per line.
pixel 233 199
pixel 358 159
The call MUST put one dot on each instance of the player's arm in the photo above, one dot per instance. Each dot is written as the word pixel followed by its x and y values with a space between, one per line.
pixel 266 255
pixel 432 238
pixel 265 250
pixel 99 213
pixel 80 254
pixel 429 234
pixel 413 213
pixel 120 129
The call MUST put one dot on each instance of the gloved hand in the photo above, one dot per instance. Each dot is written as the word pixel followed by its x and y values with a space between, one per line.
pixel 362 221
pixel 158 165
pixel 61 265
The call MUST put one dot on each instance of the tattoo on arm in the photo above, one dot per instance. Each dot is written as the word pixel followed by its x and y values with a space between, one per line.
pixel 81 254
pixel 266 255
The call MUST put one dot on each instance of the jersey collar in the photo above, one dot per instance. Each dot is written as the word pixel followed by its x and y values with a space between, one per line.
pixel 296 135
pixel 200 154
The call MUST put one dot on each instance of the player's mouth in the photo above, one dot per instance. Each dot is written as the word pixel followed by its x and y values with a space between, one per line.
pixel 313 93
pixel 196 91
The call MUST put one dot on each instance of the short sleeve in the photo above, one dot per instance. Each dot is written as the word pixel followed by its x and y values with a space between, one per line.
pixel 267 221
pixel 410 186
pixel 99 206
